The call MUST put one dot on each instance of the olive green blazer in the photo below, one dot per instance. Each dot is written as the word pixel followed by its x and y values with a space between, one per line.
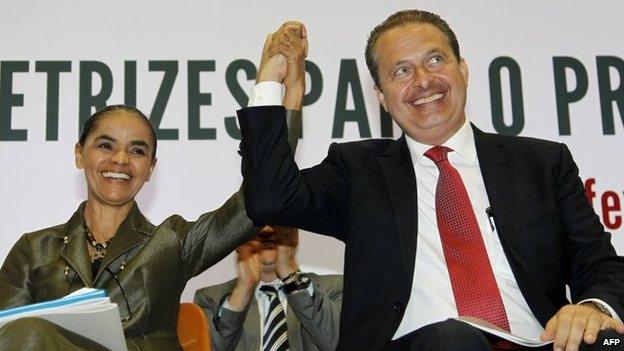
pixel 152 263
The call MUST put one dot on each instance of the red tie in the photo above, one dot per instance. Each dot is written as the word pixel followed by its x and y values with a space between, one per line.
pixel 474 287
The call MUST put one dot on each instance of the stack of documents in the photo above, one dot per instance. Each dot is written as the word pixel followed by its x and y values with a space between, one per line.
pixel 87 312
pixel 501 333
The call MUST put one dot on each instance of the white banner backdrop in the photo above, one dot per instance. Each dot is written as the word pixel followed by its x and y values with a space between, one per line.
pixel 549 69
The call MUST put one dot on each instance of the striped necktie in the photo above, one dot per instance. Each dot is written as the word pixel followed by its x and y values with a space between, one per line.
pixel 275 333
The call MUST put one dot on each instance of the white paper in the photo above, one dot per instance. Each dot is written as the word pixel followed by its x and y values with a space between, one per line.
pixel 93 317
pixel 501 333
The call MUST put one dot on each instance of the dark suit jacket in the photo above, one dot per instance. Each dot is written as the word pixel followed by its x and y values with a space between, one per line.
pixel 312 321
pixel 364 193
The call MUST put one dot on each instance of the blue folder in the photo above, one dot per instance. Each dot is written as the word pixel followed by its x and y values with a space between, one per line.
pixel 54 303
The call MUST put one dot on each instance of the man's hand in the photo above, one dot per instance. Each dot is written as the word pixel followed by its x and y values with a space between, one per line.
pixel 576 323
pixel 283 61
pixel 287 239
pixel 273 68
pixel 291 42
pixel 248 266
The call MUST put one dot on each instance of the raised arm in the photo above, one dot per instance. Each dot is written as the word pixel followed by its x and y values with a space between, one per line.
pixel 319 314
pixel 215 234
pixel 226 325
pixel 277 192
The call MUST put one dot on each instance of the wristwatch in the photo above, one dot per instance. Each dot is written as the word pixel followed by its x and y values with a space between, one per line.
pixel 295 281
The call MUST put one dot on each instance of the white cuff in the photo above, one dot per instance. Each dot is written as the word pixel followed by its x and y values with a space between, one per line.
pixel 310 289
pixel 266 94
pixel 226 305
pixel 606 306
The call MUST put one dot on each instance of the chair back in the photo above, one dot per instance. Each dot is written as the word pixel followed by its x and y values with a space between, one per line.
pixel 193 332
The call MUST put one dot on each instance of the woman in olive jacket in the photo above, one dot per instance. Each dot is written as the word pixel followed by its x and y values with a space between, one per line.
pixel 108 244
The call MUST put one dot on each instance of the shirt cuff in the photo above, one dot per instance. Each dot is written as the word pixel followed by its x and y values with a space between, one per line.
pixel 266 94
pixel 612 312
pixel 310 289
pixel 225 306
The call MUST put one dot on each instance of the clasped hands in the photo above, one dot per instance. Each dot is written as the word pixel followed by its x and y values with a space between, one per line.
pixel 283 61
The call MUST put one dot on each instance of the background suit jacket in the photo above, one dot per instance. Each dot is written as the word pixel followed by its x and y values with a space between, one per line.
pixel 157 262
pixel 312 321
pixel 364 193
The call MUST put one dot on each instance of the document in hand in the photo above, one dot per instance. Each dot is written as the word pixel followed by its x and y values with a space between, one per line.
pixel 494 330
pixel 87 312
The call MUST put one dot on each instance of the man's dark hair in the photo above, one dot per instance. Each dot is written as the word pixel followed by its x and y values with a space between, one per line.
pixel 403 18
pixel 91 122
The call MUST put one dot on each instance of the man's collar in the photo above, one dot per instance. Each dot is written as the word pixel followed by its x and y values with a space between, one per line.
pixel 277 284
pixel 461 142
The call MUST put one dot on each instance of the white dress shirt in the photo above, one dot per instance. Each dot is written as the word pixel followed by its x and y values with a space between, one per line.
pixel 432 299
pixel 264 303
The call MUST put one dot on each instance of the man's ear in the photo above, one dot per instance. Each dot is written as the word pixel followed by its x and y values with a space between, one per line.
pixel 380 97
pixel 78 156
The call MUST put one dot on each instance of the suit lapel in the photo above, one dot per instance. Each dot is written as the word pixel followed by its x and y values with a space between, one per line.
pixel 396 165
pixel 132 232
pixel 294 330
pixel 251 326
pixel 76 256
pixel 75 251
pixel 499 175
pixel 253 333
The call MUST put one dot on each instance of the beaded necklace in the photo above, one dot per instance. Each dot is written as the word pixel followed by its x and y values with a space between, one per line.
pixel 100 248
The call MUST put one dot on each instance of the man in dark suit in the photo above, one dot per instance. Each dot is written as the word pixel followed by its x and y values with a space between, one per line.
pixel 447 220
pixel 238 310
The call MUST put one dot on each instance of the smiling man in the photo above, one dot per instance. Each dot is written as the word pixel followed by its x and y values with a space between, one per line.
pixel 447 221
pixel 420 81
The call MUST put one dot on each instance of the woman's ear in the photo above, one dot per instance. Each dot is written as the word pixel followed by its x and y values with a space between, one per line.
pixel 78 156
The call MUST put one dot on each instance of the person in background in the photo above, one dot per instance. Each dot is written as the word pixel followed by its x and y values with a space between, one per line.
pixel 272 305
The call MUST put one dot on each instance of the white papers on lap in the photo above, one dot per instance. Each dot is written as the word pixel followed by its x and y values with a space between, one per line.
pixel 501 333
pixel 87 312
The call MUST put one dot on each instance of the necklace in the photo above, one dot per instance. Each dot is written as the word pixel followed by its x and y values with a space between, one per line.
pixel 100 248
